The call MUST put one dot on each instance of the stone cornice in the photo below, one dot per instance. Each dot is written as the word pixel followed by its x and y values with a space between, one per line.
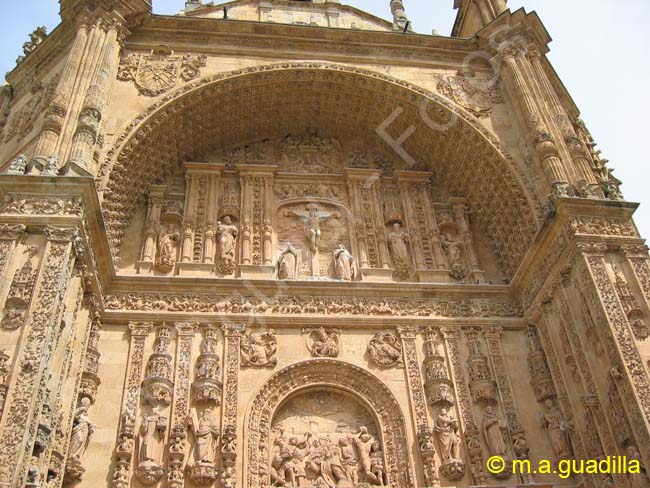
pixel 575 221
pixel 215 36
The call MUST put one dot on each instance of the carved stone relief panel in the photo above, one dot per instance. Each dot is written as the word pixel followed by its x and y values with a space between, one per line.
pixel 20 292
pixel 315 230
pixel 327 438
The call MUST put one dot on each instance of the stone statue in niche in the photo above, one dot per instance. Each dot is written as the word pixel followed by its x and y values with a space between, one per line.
pixel 344 264
pixel 557 429
pixel 455 253
pixel 227 233
pixel 206 435
pixel 82 429
pixel 493 430
pixel 259 349
pixel 288 263
pixel 446 428
pixel 152 435
pixel 398 241
pixel 320 440
pixel 324 343
pixel 168 240
pixel 385 349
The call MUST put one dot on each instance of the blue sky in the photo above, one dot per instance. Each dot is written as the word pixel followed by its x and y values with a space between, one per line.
pixel 600 49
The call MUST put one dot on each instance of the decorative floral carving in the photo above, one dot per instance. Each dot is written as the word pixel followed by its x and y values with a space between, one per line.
pixel 29 205
pixel 20 293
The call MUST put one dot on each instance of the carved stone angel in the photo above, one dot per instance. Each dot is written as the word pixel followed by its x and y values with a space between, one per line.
pixel 259 349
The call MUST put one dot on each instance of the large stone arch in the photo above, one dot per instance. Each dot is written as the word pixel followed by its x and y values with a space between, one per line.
pixel 268 101
pixel 332 374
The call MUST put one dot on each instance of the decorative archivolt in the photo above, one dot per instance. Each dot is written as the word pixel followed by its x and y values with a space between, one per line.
pixel 341 102
pixel 327 375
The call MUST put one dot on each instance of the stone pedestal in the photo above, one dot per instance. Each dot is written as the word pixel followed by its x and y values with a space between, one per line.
pixel 195 269
pixel 256 272
pixel 377 275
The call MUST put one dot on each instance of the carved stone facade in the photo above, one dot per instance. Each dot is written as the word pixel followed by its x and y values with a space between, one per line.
pixel 222 265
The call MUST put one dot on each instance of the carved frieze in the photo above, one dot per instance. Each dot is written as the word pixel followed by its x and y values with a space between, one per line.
pixel 299 305
pixel 33 205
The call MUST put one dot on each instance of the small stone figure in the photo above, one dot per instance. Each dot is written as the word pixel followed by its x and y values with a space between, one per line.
pixel 18 166
pixel 52 166
pixel 259 349
pixel 82 429
pixel 557 429
pixel 167 249
pixel 205 435
pixel 152 433
pixel 493 432
pixel 288 263
pixel 227 233
pixel 398 241
pixel 344 264
pixel 446 428
pixel 313 219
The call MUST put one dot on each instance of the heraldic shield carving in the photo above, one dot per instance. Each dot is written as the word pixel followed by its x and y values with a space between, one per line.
pixel 159 71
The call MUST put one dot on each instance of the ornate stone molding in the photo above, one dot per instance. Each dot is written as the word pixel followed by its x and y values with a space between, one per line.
pixel 306 305
pixel 39 205
pixel 125 444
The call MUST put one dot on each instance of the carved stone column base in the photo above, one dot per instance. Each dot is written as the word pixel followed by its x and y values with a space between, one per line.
pixel 195 269
pixel 377 275
pixel 144 267
pixel 431 276
pixel 256 272
pixel 452 469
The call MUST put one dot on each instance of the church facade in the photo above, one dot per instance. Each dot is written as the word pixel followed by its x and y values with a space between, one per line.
pixel 286 243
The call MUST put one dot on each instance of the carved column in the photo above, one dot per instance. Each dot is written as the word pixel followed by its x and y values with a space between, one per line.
pixel 639 262
pixel 201 203
pixel 19 425
pixel 56 112
pixel 126 439
pixel 456 468
pixel 363 186
pixel 181 402
pixel 151 227
pixel 598 279
pixel 97 95
pixel 493 336
pixel 587 182
pixel 418 404
pixel 257 214
pixel 539 134
pixel 232 343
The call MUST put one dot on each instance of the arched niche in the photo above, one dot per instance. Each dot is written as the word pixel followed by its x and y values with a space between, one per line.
pixel 375 402
pixel 345 103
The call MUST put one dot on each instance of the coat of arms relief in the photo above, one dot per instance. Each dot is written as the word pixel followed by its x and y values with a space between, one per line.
pixel 154 74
